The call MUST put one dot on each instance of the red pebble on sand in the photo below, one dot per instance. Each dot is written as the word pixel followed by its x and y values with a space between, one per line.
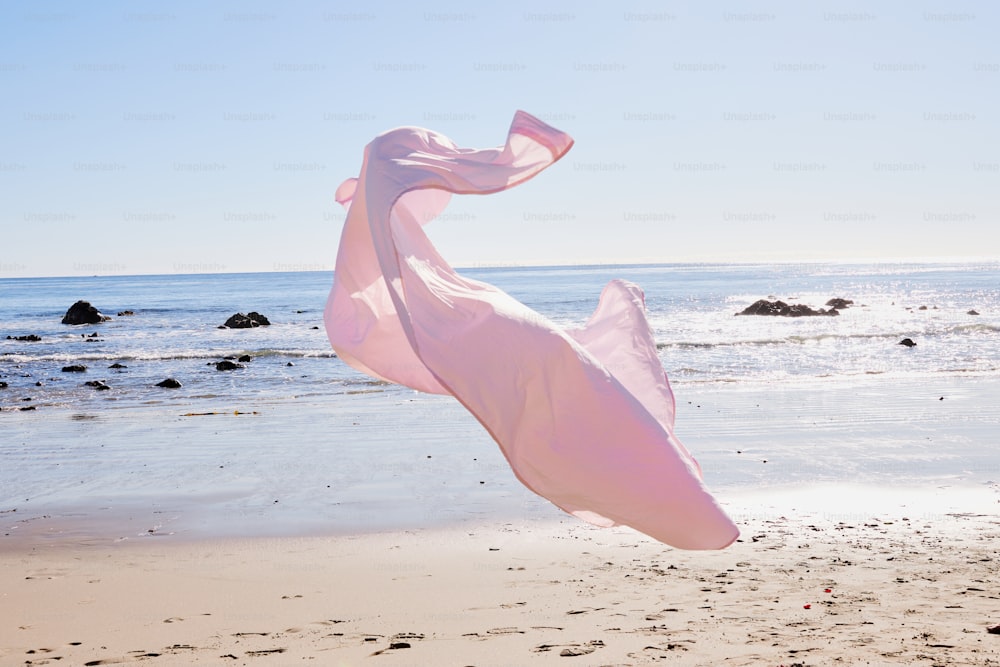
pixel 807 606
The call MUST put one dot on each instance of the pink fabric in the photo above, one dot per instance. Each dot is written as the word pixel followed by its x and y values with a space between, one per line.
pixel 584 417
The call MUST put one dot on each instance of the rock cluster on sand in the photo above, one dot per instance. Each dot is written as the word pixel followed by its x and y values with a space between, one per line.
pixel 780 308
pixel 82 312
pixel 248 321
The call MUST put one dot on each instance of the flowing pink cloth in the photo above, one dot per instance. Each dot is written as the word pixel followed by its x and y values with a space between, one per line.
pixel 584 417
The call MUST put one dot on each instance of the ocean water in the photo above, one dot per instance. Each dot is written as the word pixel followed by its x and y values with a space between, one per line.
pixel 174 331
pixel 763 402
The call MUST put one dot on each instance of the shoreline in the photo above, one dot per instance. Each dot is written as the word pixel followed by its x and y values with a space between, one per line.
pixel 392 460
pixel 843 502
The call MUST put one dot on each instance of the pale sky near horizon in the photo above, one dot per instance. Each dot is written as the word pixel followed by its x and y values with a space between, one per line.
pixel 182 137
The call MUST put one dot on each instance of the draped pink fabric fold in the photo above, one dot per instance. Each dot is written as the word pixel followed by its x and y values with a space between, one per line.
pixel 584 417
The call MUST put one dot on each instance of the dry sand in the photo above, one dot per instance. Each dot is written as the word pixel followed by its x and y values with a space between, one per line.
pixel 803 589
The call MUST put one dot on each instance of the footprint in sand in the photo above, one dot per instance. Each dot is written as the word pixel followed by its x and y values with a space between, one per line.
pixel 662 652
pixel 396 642
pixel 583 611
pixel 47 574
pixel 315 626
pixel 45 661
pixel 131 655
pixel 392 647
pixel 571 650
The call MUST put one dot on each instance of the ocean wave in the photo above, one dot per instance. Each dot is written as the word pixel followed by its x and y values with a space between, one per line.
pixel 977 328
pixel 798 339
pixel 365 381
pixel 791 380
pixel 175 355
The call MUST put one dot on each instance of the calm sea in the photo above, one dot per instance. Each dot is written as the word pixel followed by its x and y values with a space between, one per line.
pixel 174 330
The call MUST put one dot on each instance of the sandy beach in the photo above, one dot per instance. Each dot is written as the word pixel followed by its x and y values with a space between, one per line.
pixel 894 585
pixel 371 525
pixel 432 554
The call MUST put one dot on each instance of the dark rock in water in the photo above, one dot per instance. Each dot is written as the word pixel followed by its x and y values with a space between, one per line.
pixel 289 364
pixel 3 385
pixel 248 321
pixel 763 307
pixel 780 308
pixel 972 312
pixel 314 327
pixel 30 407
pixel 922 308
pixel 98 385
pixel 30 338
pixel 117 366
pixel 258 318
pixel 227 366
pixel 245 358
pixel 908 342
pixel 169 383
pixel 82 312
pixel 126 313
pixel 75 368
pixel 839 303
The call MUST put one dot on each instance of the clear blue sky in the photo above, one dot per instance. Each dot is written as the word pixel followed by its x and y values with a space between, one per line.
pixel 159 137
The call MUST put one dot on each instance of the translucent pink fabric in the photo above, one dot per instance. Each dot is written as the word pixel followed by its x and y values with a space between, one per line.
pixel 584 417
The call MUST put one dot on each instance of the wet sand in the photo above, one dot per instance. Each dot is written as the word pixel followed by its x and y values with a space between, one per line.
pixel 391 459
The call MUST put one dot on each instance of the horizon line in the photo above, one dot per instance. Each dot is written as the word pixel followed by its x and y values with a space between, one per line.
pixel 466 266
